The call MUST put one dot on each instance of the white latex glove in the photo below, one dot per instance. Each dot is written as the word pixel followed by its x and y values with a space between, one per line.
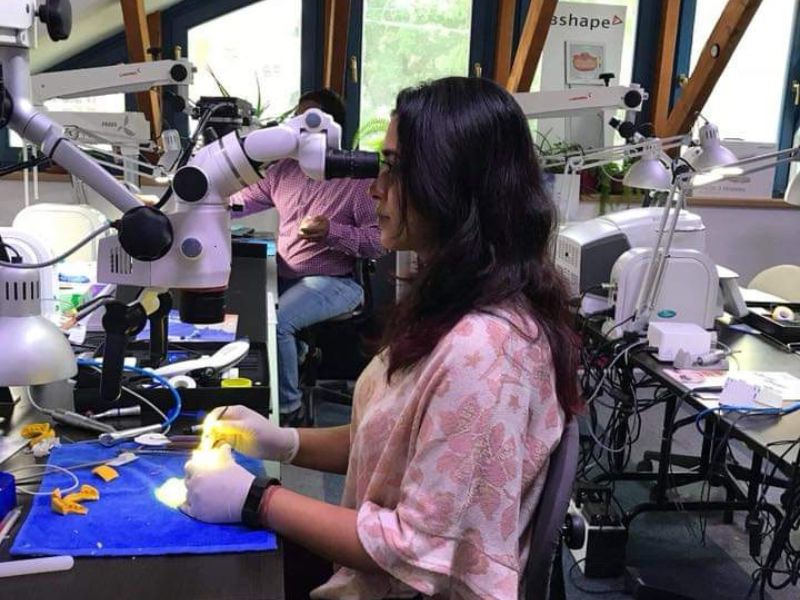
pixel 252 434
pixel 215 493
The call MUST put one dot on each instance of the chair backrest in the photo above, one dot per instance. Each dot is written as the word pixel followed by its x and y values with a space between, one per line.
pixel 549 518
pixel 781 280
pixel 365 267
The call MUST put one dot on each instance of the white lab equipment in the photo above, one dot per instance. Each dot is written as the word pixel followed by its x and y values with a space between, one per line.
pixel 690 293
pixel 190 248
pixel 33 250
pixel 561 103
pixel 585 252
pixel 649 300
pixel 128 131
pixel 669 338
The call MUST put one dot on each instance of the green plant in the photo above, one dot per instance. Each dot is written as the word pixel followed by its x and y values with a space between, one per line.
pixel 610 179
pixel 259 109
pixel 371 134
pixel 546 147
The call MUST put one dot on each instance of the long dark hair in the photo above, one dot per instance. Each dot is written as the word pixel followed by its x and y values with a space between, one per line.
pixel 467 167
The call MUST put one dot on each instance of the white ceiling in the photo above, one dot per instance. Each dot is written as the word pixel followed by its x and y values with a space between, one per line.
pixel 92 22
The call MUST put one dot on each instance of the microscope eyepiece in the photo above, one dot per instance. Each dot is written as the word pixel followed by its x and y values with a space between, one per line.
pixel 354 164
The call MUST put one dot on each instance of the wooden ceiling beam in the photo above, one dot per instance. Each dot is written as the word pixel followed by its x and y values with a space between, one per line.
pixel 531 44
pixel 137 37
pixel 504 40
pixel 337 18
pixel 718 49
pixel 665 64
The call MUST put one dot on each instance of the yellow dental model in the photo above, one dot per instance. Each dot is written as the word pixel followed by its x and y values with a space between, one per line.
pixel 71 504
pixel 36 432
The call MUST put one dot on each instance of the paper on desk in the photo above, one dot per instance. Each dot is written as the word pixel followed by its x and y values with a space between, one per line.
pixel 786 384
pixel 698 378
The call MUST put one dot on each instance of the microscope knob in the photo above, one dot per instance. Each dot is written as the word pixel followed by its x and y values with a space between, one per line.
pixel 179 73
pixel 633 99
pixel 145 233
pixel 57 15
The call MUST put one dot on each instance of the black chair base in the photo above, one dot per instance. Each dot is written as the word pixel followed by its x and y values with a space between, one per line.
pixel 640 590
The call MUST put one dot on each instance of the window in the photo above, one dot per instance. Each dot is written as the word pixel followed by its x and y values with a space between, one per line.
pixel 253 52
pixel 409 41
pixel 756 74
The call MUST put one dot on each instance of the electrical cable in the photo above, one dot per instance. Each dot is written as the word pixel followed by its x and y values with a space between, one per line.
pixel 157 410
pixel 187 151
pixel 176 409
pixel 28 164
pixel 580 588
pixel 144 400
pixel 74 477
pixel 61 256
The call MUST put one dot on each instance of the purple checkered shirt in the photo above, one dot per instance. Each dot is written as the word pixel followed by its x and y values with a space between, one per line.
pixel 346 203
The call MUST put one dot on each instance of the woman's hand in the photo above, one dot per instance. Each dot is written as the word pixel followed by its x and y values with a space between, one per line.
pixel 250 433
pixel 215 493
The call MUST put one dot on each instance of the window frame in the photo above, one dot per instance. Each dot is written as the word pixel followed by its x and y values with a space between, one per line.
pixel 178 19
pixel 790 114
pixel 483 26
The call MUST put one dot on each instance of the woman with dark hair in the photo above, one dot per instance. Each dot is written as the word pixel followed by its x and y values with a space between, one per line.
pixel 454 421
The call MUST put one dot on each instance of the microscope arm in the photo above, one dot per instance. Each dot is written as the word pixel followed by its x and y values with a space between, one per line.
pixel 145 233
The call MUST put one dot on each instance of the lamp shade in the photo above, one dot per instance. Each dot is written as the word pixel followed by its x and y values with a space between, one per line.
pixel 649 174
pixel 712 153
pixel 34 350
pixel 792 195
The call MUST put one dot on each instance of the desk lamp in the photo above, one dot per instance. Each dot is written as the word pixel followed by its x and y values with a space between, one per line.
pixel 649 172
pixel 683 181
pixel 35 351
pixel 710 153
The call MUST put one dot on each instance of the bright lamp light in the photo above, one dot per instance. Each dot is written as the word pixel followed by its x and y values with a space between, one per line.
pixel 35 351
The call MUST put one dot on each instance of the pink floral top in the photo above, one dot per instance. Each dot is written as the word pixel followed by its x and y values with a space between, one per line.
pixel 448 462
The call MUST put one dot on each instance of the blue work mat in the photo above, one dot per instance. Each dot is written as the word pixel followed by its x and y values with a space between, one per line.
pixel 128 520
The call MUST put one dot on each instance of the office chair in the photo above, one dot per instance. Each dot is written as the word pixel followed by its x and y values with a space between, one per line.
pixel 781 280
pixel 333 391
pixel 544 575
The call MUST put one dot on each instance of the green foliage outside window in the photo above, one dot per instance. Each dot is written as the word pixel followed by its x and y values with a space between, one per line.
pixel 409 41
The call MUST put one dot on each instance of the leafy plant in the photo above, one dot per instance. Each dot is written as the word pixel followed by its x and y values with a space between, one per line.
pixel 371 134
pixel 259 108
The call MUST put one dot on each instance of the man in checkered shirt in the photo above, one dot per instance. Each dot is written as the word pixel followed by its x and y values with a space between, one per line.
pixel 324 227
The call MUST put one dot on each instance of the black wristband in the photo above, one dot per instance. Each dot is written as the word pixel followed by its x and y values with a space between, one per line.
pixel 250 513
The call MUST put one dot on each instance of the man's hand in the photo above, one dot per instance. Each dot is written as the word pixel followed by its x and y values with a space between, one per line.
pixel 314 228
